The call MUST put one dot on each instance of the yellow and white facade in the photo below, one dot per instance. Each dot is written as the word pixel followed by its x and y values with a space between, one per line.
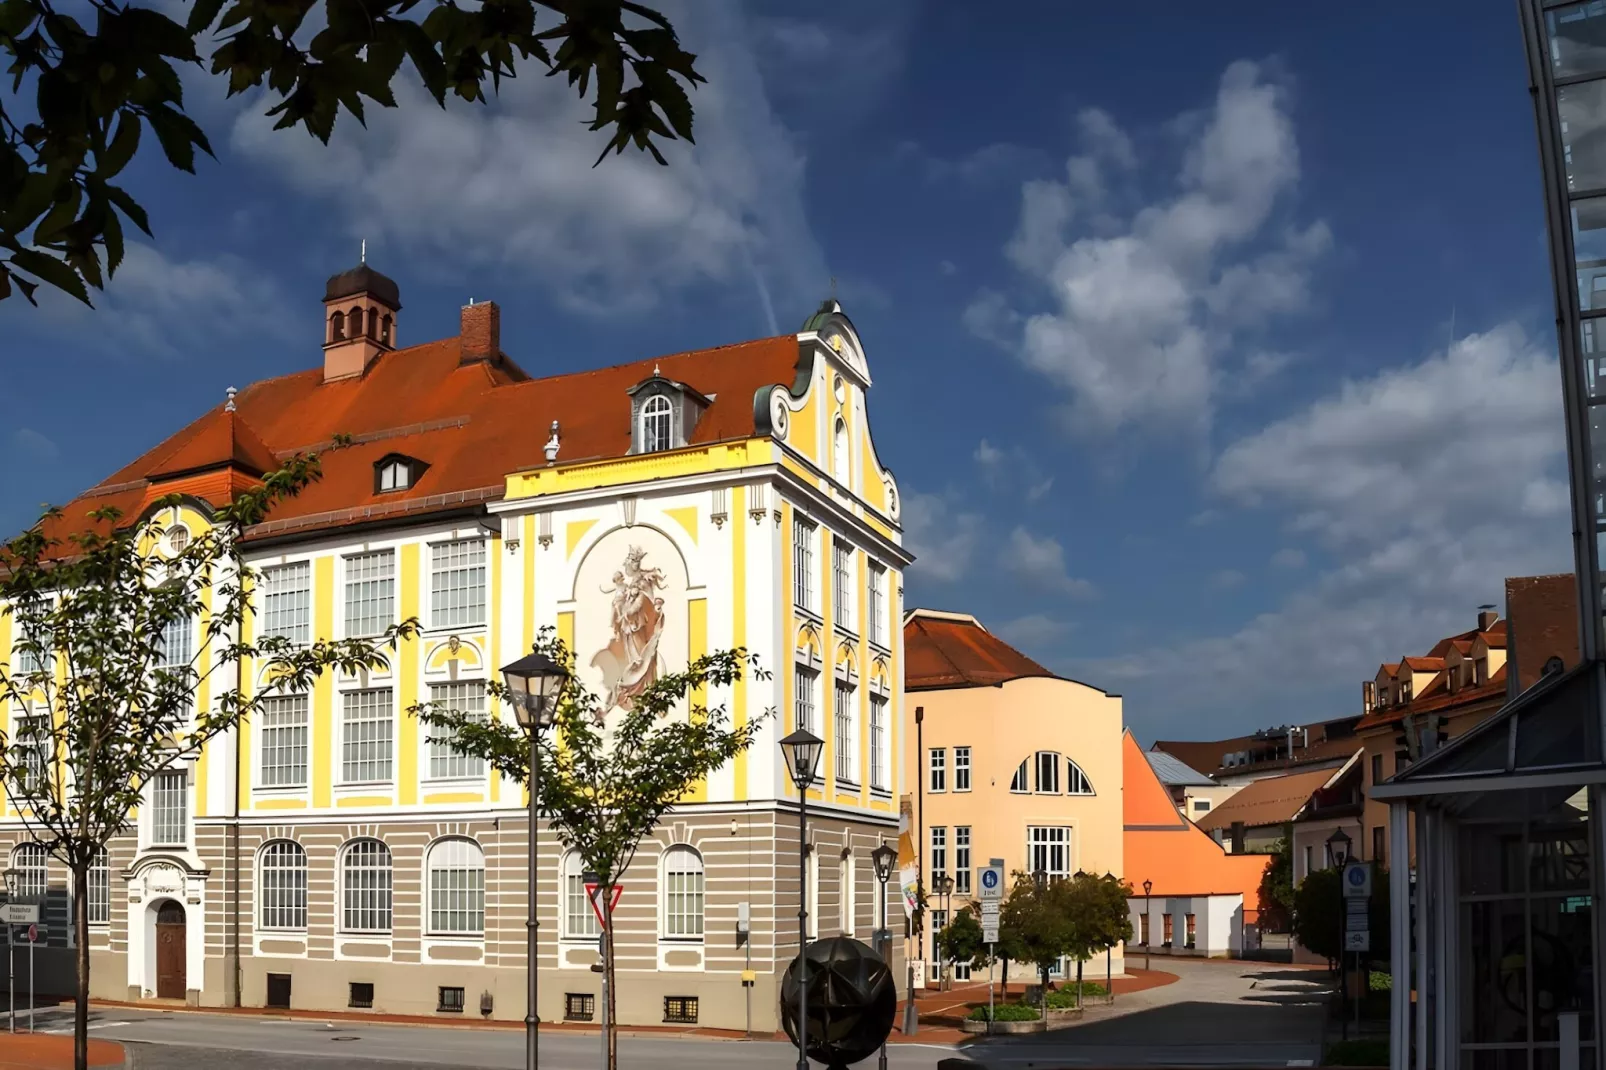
pixel 329 856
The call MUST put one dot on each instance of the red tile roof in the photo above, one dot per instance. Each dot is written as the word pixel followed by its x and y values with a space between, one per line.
pixel 943 650
pixel 1423 664
pixel 471 424
pixel 1329 742
pixel 1493 691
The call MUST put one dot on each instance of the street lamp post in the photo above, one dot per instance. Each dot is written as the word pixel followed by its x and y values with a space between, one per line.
pixel 944 885
pixel 534 682
pixel 802 751
pixel 1148 886
pixel 884 858
pixel 11 876
pixel 1338 847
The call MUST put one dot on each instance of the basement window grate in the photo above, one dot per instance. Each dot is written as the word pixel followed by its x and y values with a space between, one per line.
pixel 681 1010
pixel 362 994
pixel 579 1006
pixel 451 1000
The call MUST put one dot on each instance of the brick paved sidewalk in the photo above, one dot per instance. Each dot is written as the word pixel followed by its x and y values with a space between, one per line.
pixel 43 1051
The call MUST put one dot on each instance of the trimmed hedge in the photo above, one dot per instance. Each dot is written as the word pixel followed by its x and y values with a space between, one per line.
pixel 1006 1012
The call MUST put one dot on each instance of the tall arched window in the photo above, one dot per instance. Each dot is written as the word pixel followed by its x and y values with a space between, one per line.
pixel 655 424
pixel 32 863
pixel 365 881
pixel 456 870
pixel 839 452
pixel 337 327
pixel 1076 781
pixel 683 893
pixel 373 323
pixel 384 330
pixel 578 920
pixel 100 888
pixel 284 885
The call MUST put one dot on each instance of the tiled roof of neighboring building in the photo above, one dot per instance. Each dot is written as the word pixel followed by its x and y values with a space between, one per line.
pixel 1423 664
pixel 1329 742
pixel 471 423
pixel 942 650
pixel 1173 772
pixel 1269 801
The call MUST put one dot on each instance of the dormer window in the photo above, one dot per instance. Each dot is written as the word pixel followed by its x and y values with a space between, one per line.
pixel 657 424
pixel 395 472
pixel 663 414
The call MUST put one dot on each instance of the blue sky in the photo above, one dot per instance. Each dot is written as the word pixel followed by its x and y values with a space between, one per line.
pixel 1213 353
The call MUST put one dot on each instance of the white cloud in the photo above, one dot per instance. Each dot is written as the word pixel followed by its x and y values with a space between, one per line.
pixel 1040 562
pixel 1288 558
pixel 1033 631
pixel 511 184
pixel 1226 579
pixel 1429 483
pixel 1146 320
pixel 1013 470
pixel 159 305
pixel 943 536
pixel 36 445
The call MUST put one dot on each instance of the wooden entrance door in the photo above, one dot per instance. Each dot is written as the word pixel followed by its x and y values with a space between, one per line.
pixel 170 930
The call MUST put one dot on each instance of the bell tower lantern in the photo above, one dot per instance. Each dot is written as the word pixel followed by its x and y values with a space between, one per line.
pixel 359 321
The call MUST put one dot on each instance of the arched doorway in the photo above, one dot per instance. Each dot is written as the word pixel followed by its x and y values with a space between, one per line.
pixel 171 979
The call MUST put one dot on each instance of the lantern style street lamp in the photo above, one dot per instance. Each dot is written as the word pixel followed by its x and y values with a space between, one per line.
pixel 535 682
pixel 1148 886
pixel 944 886
pixel 884 858
pixel 802 751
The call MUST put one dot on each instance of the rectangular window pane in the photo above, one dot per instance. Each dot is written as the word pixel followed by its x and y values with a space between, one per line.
pixel 1049 849
pixel 457 900
pixel 368 727
pixel 466 697
pixel 370 593
pixel 284 886
pixel 170 812
pixel 457 584
pixel 939 769
pixel 579 920
pixel 961 768
pixel 842 593
pixel 100 889
pixel 284 741
pixel 803 563
pixel 366 876
pixel 878 595
pixel 939 850
pixel 847 733
pixel 878 742
pixel 804 698
pixel 287 602
pixel 962 859
pixel 1577 39
pixel 33 746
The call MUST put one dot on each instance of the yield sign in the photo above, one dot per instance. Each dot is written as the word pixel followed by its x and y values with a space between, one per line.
pixel 592 890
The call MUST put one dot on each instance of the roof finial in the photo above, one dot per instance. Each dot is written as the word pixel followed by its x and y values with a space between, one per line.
pixel 655 373
pixel 552 445
pixel 365 250
pixel 229 407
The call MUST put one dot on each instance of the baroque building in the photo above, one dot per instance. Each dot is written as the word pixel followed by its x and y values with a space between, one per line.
pixel 329 856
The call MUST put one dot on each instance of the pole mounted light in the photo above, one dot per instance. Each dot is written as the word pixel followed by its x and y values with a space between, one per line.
pixel 884 858
pixel 535 681
pixel 1338 847
pixel 802 752
pixel 1148 887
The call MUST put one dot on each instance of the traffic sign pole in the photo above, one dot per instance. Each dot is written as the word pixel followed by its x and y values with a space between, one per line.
pixel 33 931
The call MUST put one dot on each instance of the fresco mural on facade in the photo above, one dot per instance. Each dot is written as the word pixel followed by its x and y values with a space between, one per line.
pixel 629 663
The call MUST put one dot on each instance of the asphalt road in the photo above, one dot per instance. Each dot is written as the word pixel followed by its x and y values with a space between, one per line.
pixel 1215 1015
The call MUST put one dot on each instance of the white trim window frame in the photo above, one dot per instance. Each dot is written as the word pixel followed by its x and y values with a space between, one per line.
pixel 1046 779
pixel 367 887
pixel 369 600
pixel 961 768
pixel 878 743
pixel 937 769
pixel 367 736
pixel 282 880
pixel 876 597
pixel 844 716
pixel 578 920
pixel 938 836
pixel 961 859
pixel 467 697
pixel 284 742
pixel 457 584
pixel 170 808
pixel 847 889
pixel 806 698
pixel 684 883
pixel 805 532
pixel 842 607
pixel 1048 848
pixel 287 602
pixel 454 871
pixel 100 888
pixel 657 424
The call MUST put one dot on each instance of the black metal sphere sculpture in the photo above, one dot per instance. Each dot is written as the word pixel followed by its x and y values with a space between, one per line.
pixel 852 1001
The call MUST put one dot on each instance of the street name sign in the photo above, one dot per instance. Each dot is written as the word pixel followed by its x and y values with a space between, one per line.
pixel 20 914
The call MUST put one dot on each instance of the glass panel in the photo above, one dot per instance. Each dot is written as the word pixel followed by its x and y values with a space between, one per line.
pixel 1494 983
pixel 1577 39
pixel 1589 251
pixel 1495 1059
pixel 1562 977
pixel 1491 859
pixel 1583 134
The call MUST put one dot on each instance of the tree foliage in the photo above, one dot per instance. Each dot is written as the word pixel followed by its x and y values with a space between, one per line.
pixel 1076 917
pixel 604 780
pixel 1319 914
pixel 87 83
pixel 1277 888
pixel 115 631
pixel 961 940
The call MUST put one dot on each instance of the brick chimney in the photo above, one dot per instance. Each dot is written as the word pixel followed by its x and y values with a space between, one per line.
pixel 481 333
pixel 1487 615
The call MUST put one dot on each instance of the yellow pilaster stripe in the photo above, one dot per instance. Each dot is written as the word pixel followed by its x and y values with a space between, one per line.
pixel 203 698
pixel 407 683
pixel 5 707
pixel 789 615
pixel 825 700
pixel 323 693
pixel 861 698
pixel 738 524
pixel 696 647
pixel 574 531
pixel 493 638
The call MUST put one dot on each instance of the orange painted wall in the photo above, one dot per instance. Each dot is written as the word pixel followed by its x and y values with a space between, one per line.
pixel 1164 847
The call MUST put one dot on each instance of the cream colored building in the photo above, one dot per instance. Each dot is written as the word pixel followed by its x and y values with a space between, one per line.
pixel 329 856
pixel 1013 762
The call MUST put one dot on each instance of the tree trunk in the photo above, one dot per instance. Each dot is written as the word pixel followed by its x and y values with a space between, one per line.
pixel 611 979
pixel 1078 984
pixel 80 921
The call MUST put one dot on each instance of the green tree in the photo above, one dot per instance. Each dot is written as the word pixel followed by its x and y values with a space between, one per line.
pixel 86 82
pixel 1277 888
pixel 961 940
pixel 1100 917
pixel 1319 914
pixel 607 779
pixel 114 633
pixel 1036 924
